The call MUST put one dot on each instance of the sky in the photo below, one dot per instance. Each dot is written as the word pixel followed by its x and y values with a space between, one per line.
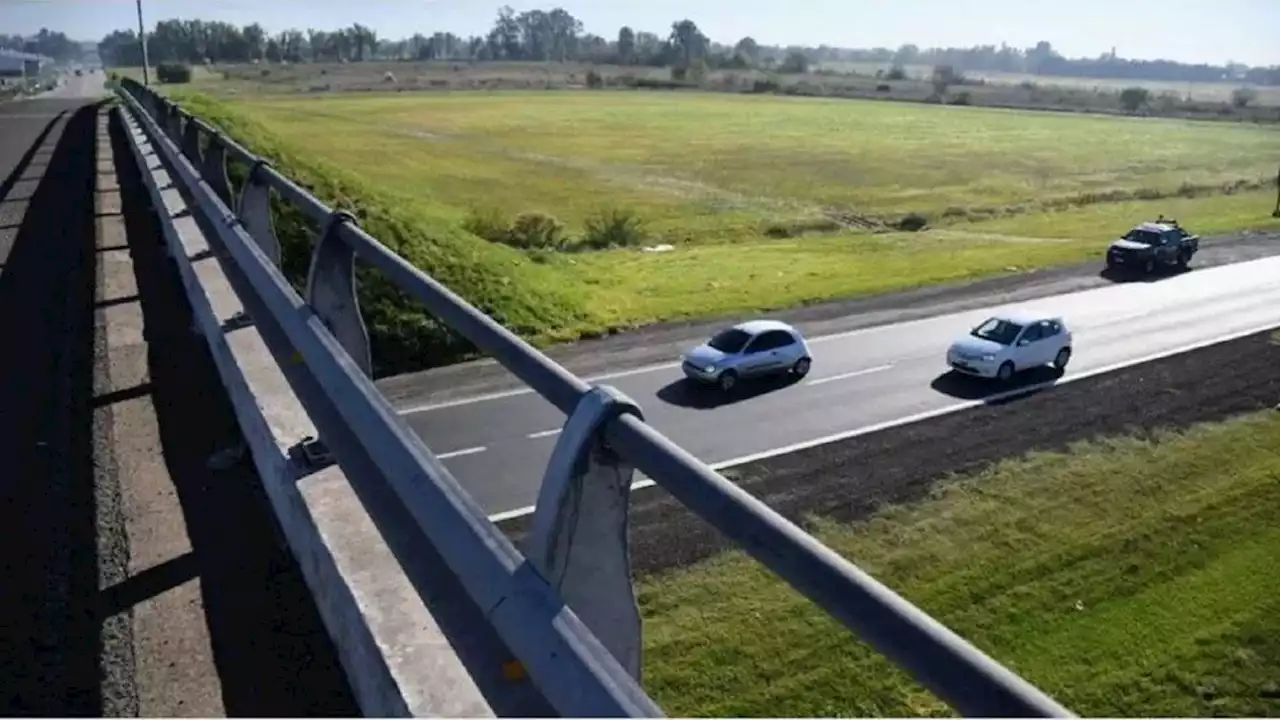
pixel 1246 31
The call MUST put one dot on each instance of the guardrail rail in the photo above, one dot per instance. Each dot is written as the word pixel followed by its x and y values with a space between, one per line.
pixel 565 607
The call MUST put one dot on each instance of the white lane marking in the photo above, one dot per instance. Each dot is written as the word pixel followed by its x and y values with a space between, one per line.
pixel 460 453
pixel 930 414
pixel 846 376
pixel 544 433
pixel 471 399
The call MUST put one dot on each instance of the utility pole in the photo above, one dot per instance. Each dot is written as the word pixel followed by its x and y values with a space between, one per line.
pixel 142 37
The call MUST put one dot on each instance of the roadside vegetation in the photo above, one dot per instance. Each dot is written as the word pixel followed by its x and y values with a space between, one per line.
pixel 658 207
pixel 1130 576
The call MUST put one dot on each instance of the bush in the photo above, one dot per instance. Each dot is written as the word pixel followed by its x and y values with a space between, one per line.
pixel 913 222
pixel 173 73
pixel 535 230
pixel 884 87
pixel 796 62
pixel 1133 98
pixel 896 73
pixel 594 80
pixel 489 224
pixel 961 98
pixel 765 86
pixel 613 228
pixel 1241 97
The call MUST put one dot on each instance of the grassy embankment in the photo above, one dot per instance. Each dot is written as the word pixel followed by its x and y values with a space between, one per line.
pixel 1127 577
pixel 767 200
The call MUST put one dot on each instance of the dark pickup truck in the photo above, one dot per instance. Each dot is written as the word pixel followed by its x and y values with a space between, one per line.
pixel 1153 245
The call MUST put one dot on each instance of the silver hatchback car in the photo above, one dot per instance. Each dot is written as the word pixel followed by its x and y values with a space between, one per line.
pixel 748 350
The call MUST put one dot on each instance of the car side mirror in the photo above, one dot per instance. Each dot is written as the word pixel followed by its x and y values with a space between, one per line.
pixel 1023 342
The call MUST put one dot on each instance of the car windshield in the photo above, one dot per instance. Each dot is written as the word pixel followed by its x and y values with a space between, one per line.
pixel 730 341
pixel 997 330
pixel 1146 237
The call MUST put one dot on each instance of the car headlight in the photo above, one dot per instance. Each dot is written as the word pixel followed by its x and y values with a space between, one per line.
pixel 988 358
pixel 709 369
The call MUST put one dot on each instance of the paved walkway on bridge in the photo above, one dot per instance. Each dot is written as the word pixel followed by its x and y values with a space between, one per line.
pixel 134 579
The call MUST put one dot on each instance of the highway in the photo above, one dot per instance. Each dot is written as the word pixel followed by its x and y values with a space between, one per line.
pixel 498 444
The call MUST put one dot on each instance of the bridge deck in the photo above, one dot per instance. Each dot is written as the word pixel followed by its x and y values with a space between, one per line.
pixel 136 578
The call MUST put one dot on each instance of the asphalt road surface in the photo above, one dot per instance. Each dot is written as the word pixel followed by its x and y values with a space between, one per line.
pixel 498 444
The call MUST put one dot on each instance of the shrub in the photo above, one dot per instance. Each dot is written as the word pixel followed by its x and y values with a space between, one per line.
pixel 488 223
pixel 896 73
pixel 796 62
pixel 884 87
pixel 913 222
pixel 535 230
pixel 764 86
pixel 173 73
pixel 961 98
pixel 1133 98
pixel 613 228
pixel 594 80
pixel 944 76
pixel 1241 97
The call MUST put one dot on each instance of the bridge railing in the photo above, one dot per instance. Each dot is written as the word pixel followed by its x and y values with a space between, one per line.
pixel 565 606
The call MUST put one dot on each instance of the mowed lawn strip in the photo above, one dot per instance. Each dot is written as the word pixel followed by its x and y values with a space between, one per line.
pixel 417 166
pixel 1126 577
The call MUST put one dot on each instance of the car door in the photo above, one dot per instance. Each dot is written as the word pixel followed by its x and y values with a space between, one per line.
pixel 1051 340
pixel 1027 348
pixel 1169 246
pixel 757 355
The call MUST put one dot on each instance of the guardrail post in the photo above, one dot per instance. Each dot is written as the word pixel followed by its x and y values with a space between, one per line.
pixel 331 290
pixel 173 122
pixel 254 209
pixel 214 169
pixel 191 143
pixel 578 536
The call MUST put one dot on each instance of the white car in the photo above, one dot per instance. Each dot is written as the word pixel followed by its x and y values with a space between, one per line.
pixel 1011 342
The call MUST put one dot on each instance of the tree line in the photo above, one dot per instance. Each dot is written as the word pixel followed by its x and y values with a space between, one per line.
pixel 51 44
pixel 557 36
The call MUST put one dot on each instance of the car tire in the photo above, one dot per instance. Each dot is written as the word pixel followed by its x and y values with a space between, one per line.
pixel 1005 373
pixel 801 368
pixel 1062 358
pixel 727 381
pixel 1183 260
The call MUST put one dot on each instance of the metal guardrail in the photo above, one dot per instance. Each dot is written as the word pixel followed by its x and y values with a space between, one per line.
pixel 565 607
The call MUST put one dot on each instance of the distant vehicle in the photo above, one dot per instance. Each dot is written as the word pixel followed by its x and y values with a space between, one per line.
pixel 748 350
pixel 1152 245
pixel 79 72
pixel 1009 343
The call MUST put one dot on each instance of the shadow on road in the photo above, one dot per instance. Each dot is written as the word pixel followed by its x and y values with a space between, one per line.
pixel 1137 276
pixel 270 648
pixel 49 641
pixel 687 393
pixel 994 392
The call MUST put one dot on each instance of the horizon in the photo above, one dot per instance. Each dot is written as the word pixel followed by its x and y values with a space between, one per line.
pixel 1241 33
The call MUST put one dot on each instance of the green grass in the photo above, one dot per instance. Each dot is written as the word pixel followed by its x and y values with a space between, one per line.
pixel 1127 577
pixel 712 173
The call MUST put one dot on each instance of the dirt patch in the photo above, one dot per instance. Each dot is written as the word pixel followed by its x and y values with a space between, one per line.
pixel 850 480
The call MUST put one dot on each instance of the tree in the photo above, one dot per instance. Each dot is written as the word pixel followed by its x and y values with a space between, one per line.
pixel 1133 98
pixel 626 46
pixel 688 40
pixel 749 50
pixel 795 62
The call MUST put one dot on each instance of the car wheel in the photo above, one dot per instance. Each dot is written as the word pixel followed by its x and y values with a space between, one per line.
pixel 801 368
pixel 1183 260
pixel 1062 358
pixel 728 380
pixel 1005 373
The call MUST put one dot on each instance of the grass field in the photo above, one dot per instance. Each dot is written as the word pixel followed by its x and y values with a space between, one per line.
pixel 766 200
pixel 1126 577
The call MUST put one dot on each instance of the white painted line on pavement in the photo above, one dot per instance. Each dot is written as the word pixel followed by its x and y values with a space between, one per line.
pixel 544 433
pixel 930 414
pixel 460 453
pixel 846 376
pixel 471 399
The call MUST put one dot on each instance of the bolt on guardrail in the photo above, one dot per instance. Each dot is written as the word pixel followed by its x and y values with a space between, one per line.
pixel 566 607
